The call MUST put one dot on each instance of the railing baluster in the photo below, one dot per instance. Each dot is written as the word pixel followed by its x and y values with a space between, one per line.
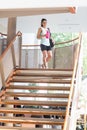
pixel 20 47
pixel 13 56
pixel 2 74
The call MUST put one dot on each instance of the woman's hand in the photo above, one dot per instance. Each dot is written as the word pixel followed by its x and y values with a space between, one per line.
pixel 39 36
pixel 53 41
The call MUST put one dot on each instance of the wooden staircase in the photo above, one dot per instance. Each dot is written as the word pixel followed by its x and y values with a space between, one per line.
pixel 36 99
pixel 43 97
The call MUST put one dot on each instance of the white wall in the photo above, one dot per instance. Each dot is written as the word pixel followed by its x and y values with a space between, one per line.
pixel 7 4
pixel 3 25
pixel 57 22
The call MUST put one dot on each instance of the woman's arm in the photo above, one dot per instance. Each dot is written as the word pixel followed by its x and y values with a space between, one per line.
pixel 39 36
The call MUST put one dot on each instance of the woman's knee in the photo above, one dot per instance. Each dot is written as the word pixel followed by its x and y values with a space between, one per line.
pixel 44 54
pixel 50 55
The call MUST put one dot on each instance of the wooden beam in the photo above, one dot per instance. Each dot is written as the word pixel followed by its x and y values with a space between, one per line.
pixel 11 29
pixel 11 33
pixel 33 11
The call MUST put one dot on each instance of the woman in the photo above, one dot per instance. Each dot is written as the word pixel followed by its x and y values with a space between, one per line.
pixel 44 35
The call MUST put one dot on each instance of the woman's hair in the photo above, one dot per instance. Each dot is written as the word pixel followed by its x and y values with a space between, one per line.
pixel 42 20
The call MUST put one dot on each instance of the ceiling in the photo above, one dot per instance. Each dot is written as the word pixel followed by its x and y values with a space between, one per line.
pixel 34 11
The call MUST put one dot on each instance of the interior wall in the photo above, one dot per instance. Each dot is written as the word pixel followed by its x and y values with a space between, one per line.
pixel 57 22
pixel 3 25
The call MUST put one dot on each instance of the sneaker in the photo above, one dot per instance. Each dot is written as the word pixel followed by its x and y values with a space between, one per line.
pixel 43 66
pixel 46 66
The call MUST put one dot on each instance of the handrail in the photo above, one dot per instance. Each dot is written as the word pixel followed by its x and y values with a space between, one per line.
pixel 3 34
pixel 2 56
pixel 30 45
pixel 9 45
pixel 7 35
pixel 55 43
pixel 72 10
pixel 72 81
pixel 67 41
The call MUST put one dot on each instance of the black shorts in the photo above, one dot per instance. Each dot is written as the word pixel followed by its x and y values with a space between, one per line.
pixel 45 48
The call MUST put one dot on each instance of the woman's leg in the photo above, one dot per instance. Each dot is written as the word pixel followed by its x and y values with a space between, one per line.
pixel 44 58
pixel 49 55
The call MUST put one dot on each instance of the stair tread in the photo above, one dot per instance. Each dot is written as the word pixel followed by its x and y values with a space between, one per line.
pixel 32 111
pixel 46 73
pixel 40 80
pixel 56 76
pixel 39 87
pixel 42 103
pixel 41 69
pixel 48 95
pixel 21 128
pixel 30 120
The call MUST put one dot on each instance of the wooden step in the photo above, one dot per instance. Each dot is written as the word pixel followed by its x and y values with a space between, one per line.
pixel 26 120
pixel 44 95
pixel 35 103
pixel 46 73
pixel 21 128
pixel 41 69
pixel 32 111
pixel 40 80
pixel 60 88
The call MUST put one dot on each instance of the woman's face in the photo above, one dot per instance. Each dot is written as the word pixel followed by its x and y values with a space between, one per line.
pixel 44 23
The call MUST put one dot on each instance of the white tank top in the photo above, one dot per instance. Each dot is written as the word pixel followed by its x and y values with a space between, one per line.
pixel 44 40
